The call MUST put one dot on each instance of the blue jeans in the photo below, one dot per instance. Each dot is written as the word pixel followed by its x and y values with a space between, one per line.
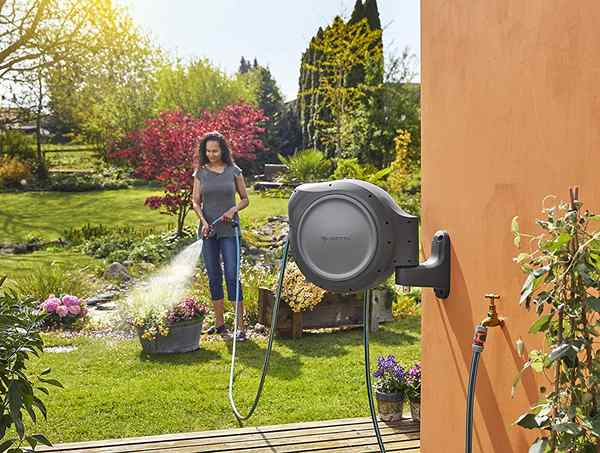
pixel 212 250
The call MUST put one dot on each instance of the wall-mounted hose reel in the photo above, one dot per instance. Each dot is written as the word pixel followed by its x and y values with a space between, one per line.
pixel 349 235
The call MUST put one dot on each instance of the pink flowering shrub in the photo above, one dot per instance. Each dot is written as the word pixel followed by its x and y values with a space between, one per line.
pixel 63 311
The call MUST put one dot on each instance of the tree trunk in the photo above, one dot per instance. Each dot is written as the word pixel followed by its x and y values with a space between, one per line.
pixel 42 170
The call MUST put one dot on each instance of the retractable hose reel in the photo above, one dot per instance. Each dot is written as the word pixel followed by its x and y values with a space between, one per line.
pixel 350 235
pixel 346 236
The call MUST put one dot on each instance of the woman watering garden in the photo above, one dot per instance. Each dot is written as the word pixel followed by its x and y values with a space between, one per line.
pixel 216 182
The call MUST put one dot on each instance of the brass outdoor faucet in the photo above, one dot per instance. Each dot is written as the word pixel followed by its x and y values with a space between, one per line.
pixel 492 319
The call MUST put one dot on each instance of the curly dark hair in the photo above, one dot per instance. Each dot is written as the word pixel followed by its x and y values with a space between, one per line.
pixel 226 156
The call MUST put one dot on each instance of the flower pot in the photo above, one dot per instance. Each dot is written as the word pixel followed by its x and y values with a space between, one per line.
pixel 182 337
pixel 415 410
pixel 390 406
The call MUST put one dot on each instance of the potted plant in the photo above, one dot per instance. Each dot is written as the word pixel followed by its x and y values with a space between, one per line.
pixel 390 388
pixel 171 329
pixel 65 311
pixel 413 391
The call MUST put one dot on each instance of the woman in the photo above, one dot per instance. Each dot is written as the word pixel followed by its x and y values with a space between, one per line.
pixel 216 182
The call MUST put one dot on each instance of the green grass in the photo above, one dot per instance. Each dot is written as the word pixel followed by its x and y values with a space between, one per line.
pixel 18 266
pixel 114 390
pixel 48 214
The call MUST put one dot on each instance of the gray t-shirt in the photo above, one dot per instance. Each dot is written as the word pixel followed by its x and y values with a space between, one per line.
pixel 218 195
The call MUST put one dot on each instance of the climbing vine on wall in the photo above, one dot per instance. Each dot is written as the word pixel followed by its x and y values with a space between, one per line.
pixel 563 284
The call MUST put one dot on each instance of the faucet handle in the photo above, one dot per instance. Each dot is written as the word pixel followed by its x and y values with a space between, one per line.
pixel 492 298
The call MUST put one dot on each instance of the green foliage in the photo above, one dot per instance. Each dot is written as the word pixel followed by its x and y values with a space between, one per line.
pixel 20 389
pixel 128 244
pixel 44 280
pixel 404 181
pixel 407 304
pixel 199 86
pixel 327 98
pixel 17 144
pixel 108 90
pixel 348 168
pixel 563 280
pixel 85 183
pixel 308 165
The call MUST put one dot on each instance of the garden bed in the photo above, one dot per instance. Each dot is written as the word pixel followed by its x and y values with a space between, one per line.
pixel 335 310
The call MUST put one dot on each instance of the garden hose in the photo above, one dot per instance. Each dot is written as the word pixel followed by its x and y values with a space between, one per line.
pixel 366 322
pixel 265 369
pixel 478 345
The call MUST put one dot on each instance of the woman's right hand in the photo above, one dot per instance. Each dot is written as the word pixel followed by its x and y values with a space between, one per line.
pixel 205 229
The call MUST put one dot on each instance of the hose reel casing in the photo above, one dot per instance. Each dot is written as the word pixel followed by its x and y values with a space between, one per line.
pixel 349 235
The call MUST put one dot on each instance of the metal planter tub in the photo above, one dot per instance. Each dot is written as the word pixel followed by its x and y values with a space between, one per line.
pixel 182 337
pixel 390 406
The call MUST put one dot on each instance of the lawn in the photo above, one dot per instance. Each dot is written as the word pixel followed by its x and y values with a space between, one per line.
pixel 48 214
pixel 114 390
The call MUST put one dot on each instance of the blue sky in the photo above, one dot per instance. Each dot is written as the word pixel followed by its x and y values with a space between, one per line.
pixel 276 32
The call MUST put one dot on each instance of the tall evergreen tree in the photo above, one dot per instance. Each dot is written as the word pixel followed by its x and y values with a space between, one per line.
pixel 244 66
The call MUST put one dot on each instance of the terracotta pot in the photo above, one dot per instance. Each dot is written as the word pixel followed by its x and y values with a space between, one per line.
pixel 390 406
pixel 183 337
pixel 415 410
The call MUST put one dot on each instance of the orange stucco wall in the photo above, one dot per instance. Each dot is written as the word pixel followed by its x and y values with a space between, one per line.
pixel 511 113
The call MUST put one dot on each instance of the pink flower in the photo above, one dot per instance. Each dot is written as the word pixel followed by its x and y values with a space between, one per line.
pixel 74 309
pixel 51 304
pixel 70 300
pixel 62 310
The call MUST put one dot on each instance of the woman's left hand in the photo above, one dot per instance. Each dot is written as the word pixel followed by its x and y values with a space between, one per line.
pixel 228 216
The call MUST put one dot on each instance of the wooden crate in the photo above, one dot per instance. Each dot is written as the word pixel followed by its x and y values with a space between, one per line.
pixel 335 310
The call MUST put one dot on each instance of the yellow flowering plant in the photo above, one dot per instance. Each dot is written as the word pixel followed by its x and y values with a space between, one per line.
pixel 299 293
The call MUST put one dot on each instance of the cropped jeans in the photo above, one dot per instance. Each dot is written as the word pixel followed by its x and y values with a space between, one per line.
pixel 212 250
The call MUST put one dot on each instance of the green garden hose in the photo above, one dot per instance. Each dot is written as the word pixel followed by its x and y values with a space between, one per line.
pixel 265 368
pixel 366 320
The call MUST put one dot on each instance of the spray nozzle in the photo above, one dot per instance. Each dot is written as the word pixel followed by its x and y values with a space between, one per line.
pixel 211 226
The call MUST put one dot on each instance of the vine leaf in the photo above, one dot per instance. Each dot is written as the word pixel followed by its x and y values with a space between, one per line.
pixel 539 446
pixel 515 229
pixel 534 279
pixel 542 323
pixel 594 303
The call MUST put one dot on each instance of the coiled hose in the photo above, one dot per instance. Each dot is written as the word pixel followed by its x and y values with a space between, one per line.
pixel 265 369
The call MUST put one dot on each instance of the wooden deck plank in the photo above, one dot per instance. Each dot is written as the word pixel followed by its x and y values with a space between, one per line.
pixel 345 435
pixel 306 433
pixel 259 441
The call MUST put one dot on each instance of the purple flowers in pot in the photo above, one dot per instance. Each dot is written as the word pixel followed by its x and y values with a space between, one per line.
pixel 391 377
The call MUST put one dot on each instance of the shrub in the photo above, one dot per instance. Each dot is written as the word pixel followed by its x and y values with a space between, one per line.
pixel 63 312
pixel 308 165
pixel 17 144
pixel 348 168
pixel 20 390
pixel 53 279
pixel 126 243
pixel 404 181
pixel 85 183
pixel 407 304
pixel 13 172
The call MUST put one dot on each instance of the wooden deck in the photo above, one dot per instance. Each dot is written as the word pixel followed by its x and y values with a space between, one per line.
pixel 347 435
